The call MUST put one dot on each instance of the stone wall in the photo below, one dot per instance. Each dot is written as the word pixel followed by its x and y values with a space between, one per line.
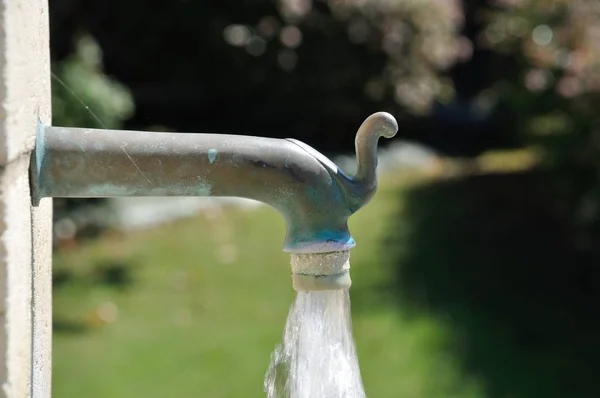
pixel 25 232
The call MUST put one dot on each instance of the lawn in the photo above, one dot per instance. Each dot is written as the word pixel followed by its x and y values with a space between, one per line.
pixel 448 301
pixel 195 308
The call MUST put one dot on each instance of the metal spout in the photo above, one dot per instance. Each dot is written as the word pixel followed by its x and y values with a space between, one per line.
pixel 314 196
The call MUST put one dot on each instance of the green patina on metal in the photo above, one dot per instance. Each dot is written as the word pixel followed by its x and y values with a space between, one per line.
pixel 212 155
pixel 314 196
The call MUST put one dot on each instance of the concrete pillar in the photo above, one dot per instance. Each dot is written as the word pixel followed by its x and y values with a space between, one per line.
pixel 25 232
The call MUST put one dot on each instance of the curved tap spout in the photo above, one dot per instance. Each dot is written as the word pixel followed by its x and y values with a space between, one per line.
pixel 361 188
pixel 312 194
pixel 365 181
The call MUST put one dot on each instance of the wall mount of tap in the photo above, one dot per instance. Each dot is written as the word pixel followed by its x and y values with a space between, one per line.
pixel 313 195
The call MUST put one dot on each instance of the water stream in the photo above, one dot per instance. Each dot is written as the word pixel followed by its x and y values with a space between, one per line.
pixel 317 358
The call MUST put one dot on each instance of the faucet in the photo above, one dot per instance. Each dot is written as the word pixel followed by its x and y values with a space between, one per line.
pixel 314 196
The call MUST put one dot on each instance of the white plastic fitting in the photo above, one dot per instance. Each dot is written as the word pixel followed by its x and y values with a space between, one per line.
pixel 321 271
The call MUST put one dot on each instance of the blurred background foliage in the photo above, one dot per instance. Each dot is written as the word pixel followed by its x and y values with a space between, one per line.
pixel 82 95
pixel 553 47
pixel 504 92
pixel 464 77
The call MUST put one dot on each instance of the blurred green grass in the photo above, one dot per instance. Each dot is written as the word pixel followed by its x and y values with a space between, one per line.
pixel 463 287
pixel 194 308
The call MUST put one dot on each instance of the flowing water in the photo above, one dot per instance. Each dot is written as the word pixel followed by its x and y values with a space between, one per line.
pixel 317 358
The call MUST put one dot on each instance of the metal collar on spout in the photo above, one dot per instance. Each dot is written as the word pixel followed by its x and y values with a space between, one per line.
pixel 314 196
